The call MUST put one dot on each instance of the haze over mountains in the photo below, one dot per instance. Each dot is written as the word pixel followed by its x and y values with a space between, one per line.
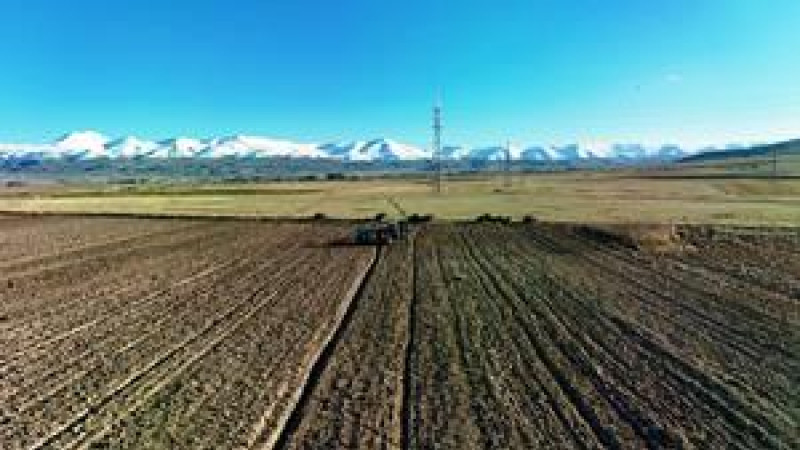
pixel 91 144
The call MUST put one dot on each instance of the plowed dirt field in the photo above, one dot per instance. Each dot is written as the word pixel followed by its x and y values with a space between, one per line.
pixel 189 333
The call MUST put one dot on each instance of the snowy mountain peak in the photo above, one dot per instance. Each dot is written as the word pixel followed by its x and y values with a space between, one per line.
pixel 130 147
pixel 77 139
pixel 91 144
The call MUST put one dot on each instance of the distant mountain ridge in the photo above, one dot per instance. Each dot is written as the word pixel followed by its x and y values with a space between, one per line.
pixel 91 144
pixel 781 148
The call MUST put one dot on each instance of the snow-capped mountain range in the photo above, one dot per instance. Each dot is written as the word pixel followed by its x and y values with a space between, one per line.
pixel 90 144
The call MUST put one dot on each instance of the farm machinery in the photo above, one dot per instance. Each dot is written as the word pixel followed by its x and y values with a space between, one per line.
pixel 379 233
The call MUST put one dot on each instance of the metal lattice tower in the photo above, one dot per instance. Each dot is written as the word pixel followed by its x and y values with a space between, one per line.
pixel 437 146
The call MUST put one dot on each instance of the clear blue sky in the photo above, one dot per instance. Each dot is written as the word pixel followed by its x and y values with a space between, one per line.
pixel 537 71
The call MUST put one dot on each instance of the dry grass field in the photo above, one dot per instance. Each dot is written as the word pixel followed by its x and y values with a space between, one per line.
pixel 591 196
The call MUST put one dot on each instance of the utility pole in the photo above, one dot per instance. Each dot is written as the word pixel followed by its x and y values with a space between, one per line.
pixel 507 165
pixel 774 162
pixel 437 146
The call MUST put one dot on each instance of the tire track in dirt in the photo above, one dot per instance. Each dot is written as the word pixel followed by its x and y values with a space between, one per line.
pixel 712 391
pixel 289 422
pixel 175 372
pixel 408 360
pixel 166 363
pixel 35 383
pixel 80 277
pixel 491 275
pixel 39 263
